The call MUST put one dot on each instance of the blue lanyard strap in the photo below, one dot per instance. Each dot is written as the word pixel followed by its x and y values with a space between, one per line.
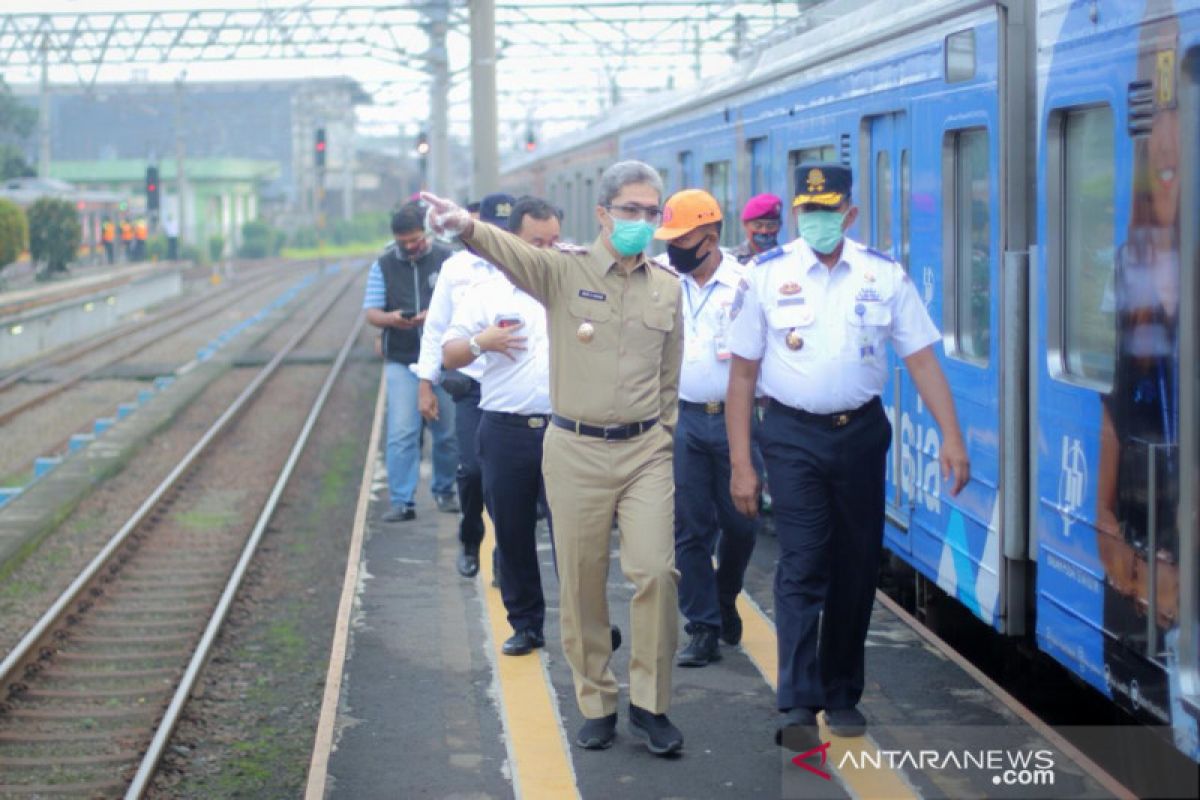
pixel 687 290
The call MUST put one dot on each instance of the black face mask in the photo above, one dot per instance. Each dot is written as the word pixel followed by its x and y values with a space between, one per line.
pixel 685 259
pixel 765 241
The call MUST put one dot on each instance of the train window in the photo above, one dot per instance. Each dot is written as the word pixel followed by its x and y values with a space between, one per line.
pixel 881 210
pixel 686 177
pixel 905 206
pixel 757 149
pixel 966 189
pixel 805 155
pixel 1080 202
pixel 716 181
pixel 960 56
pixel 664 175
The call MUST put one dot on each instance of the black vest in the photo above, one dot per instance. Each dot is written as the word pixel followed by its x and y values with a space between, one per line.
pixel 409 287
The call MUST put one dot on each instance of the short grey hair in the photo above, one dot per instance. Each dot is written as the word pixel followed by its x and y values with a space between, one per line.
pixel 622 174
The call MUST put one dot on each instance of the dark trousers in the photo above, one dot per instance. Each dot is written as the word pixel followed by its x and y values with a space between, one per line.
pixel 828 488
pixel 703 506
pixel 470 482
pixel 510 452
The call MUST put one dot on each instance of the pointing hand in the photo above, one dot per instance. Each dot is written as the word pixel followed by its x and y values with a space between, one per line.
pixel 444 217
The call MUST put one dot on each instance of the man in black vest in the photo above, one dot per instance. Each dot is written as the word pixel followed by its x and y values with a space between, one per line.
pixel 399 288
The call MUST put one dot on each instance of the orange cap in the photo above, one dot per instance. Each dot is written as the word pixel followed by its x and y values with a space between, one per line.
pixel 685 211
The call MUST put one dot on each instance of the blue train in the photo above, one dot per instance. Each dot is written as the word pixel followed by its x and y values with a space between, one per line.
pixel 1033 164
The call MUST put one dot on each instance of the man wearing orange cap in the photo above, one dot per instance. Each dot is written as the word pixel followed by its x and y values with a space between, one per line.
pixel 709 277
pixel 760 220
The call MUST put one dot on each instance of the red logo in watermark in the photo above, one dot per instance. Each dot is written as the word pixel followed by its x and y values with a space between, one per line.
pixel 801 760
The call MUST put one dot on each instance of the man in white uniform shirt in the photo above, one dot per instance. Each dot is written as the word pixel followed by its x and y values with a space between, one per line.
pixel 817 314
pixel 501 331
pixel 458 273
pixel 710 277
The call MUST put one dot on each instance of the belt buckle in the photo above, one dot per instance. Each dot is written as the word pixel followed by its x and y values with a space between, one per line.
pixel 536 422
pixel 612 432
pixel 712 407
pixel 841 420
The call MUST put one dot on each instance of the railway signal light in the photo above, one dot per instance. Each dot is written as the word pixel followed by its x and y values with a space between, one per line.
pixel 152 188
pixel 422 144
pixel 320 148
pixel 530 141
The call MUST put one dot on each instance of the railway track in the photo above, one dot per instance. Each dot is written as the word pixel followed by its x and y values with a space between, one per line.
pixel 160 325
pixel 90 695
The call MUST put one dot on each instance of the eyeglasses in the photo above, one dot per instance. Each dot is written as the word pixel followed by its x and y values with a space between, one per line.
pixel 633 211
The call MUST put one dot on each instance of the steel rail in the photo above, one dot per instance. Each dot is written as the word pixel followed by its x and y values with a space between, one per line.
pixel 167 726
pixel 24 651
pixel 197 313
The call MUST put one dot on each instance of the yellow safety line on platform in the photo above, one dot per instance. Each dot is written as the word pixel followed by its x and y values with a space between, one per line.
pixel 318 767
pixel 541 757
pixel 759 642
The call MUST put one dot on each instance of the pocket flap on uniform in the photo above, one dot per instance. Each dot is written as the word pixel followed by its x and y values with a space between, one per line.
pixel 659 318
pixel 586 308
pixel 791 316
pixel 875 314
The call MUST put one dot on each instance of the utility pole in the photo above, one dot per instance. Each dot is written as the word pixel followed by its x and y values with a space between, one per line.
pixel 439 90
pixel 44 115
pixel 485 175
pixel 181 186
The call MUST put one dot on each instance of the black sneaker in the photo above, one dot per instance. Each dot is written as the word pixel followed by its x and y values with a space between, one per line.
pixel 845 721
pixel 798 731
pixel 661 737
pixel 401 514
pixel 523 642
pixel 597 734
pixel 447 503
pixel 702 650
pixel 731 623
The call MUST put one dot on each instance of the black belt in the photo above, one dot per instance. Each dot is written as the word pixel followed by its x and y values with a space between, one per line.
pixel 518 420
pixel 712 407
pixel 609 433
pixel 838 420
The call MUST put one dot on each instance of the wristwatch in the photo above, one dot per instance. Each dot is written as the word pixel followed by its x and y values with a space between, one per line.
pixel 476 350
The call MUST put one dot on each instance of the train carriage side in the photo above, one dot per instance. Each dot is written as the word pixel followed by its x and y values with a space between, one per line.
pixel 1113 444
pixel 918 119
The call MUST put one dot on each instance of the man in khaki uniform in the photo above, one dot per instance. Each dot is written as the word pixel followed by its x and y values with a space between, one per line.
pixel 615 353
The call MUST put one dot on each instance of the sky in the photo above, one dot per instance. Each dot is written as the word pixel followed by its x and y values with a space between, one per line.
pixel 546 85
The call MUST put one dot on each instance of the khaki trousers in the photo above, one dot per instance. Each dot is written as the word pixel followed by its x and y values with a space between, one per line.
pixel 587 481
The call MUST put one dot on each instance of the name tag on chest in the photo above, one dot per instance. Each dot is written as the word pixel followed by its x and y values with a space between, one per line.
pixel 588 294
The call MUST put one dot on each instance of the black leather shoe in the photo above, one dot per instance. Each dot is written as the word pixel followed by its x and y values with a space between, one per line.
pixel 731 624
pixel 523 642
pixel 845 721
pixel 468 564
pixel 661 737
pixel 616 638
pixel 402 514
pixel 597 734
pixel 702 650
pixel 798 730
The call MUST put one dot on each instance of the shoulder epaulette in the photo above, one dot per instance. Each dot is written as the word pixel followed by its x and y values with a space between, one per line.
pixel 664 267
pixel 572 249
pixel 878 254
pixel 773 253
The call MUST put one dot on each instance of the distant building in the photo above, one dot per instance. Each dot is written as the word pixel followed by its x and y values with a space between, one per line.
pixel 222 193
pixel 135 124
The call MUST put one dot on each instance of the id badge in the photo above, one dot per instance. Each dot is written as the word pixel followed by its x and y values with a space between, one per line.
pixel 721 349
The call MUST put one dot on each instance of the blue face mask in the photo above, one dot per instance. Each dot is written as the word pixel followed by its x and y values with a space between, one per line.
pixel 822 230
pixel 630 237
pixel 764 241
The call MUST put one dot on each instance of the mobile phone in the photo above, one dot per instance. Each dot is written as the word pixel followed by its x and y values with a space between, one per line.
pixel 408 314
pixel 508 321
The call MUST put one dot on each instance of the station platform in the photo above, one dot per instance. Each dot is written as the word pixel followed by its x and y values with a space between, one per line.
pixel 421 703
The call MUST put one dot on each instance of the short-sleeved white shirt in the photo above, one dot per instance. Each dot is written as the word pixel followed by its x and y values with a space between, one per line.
pixel 520 385
pixel 457 274
pixel 704 376
pixel 841 317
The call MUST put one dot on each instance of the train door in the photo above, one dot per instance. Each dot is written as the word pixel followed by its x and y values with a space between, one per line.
pixel 888 173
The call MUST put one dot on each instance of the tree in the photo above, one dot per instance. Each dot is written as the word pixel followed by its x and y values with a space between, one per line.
pixel 54 234
pixel 17 120
pixel 14 233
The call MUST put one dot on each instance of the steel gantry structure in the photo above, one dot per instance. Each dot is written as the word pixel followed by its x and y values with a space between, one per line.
pixel 573 60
